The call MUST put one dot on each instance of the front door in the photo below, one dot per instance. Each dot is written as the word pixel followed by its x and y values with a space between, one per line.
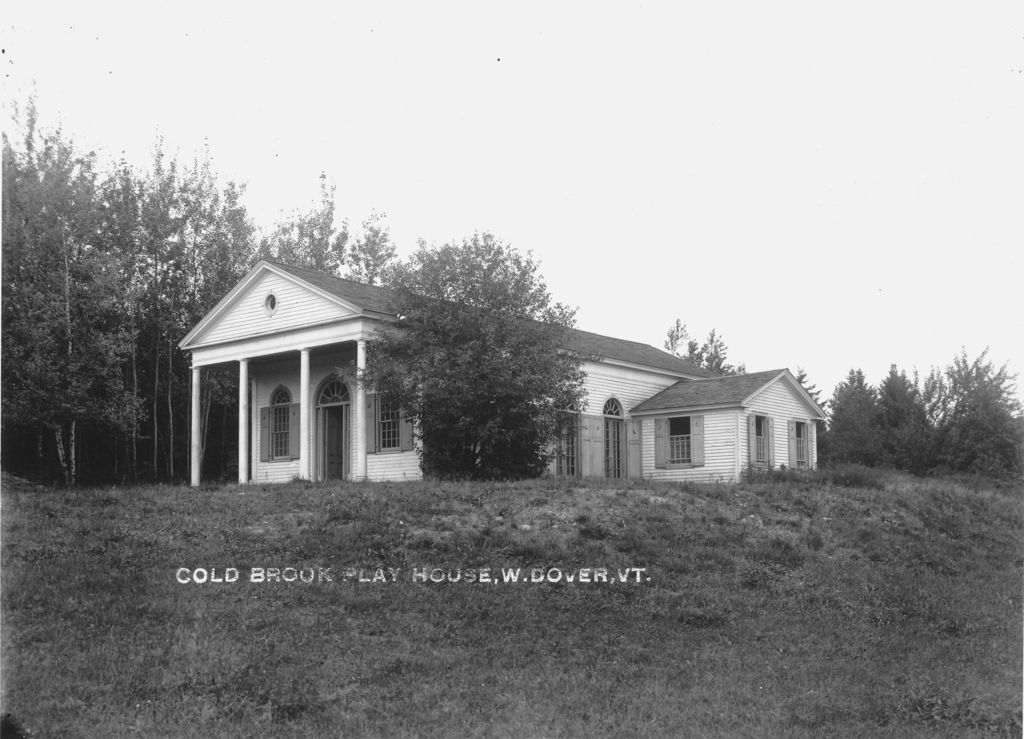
pixel 334 442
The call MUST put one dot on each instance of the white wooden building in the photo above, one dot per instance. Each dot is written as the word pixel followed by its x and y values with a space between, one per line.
pixel 649 414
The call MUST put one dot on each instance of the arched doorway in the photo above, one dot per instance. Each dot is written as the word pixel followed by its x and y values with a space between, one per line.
pixel 333 404
pixel 614 439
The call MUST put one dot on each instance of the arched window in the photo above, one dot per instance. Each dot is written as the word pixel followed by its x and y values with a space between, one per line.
pixel 280 402
pixel 333 393
pixel 613 408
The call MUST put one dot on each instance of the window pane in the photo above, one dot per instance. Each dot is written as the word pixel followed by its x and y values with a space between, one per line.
pixel 565 462
pixel 679 426
pixel 679 449
pixel 279 431
pixel 389 425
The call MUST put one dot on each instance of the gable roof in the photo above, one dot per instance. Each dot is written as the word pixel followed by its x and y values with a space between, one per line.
pixel 375 299
pixel 718 391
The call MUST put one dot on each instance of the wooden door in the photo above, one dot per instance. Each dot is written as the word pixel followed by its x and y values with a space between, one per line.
pixel 334 442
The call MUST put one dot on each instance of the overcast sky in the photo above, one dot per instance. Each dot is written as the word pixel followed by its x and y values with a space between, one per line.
pixel 827 186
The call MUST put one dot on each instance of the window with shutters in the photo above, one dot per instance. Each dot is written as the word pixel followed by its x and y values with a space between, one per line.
pixel 801 443
pixel 389 425
pixel 761 439
pixel 387 428
pixel 280 401
pixel 679 441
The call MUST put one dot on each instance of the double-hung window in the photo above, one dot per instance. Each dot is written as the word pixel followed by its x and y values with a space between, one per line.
pixel 680 441
pixel 761 439
pixel 279 414
pixel 389 425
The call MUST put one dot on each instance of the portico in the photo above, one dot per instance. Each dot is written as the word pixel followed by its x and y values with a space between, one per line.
pixel 300 357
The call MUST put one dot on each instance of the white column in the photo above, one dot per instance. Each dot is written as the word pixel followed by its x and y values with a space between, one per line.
pixel 243 421
pixel 196 440
pixel 360 412
pixel 304 465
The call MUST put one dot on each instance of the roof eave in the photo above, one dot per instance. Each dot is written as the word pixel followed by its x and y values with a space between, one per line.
pixel 685 409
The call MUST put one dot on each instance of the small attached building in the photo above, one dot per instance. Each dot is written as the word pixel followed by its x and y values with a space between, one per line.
pixel 714 428
pixel 298 341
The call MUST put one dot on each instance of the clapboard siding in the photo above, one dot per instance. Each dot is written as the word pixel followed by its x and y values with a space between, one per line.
pixel 719 450
pixel 779 401
pixel 393 466
pixel 629 386
pixel 296 307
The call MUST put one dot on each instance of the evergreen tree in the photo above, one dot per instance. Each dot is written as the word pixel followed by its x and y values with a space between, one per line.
pixel 854 425
pixel 906 433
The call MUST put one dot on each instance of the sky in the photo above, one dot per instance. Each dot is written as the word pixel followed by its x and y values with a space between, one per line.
pixel 829 186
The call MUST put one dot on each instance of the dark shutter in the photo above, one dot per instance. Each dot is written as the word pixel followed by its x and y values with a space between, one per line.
pixel 771 442
pixel 592 446
pixel 660 443
pixel 264 434
pixel 404 433
pixel 371 423
pixel 752 438
pixel 633 454
pixel 697 440
pixel 293 430
pixel 792 444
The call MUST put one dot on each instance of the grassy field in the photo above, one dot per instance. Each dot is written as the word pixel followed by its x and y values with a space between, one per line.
pixel 841 604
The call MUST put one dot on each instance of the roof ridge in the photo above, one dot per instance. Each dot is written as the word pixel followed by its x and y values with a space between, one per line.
pixel 325 274
pixel 660 360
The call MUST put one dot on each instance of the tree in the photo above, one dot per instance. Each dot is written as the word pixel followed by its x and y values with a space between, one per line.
pixel 478 359
pixel 103 274
pixel 678 339
pixel 64 340
pixel 975 413
pixel 812 390
pixel 820 426
pixel 905 432
pixel 854 425
pixel 372 254
pixel 711 355
pixel 310 240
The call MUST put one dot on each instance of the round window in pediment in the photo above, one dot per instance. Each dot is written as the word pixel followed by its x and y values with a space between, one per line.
pixel 270 304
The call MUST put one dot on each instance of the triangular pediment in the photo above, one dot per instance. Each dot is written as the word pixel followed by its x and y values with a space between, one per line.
pixel 268 300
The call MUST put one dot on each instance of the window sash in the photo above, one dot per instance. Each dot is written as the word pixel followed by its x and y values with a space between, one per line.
pixel 279 431
pixel 761 450
pixel 389 426
pixel 566 459
pixel 680 450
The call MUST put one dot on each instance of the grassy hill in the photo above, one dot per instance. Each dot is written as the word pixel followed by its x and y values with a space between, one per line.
pixel 847 603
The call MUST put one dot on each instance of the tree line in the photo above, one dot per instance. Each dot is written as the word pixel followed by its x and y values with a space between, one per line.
pixel 961 418
pixel 106 267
